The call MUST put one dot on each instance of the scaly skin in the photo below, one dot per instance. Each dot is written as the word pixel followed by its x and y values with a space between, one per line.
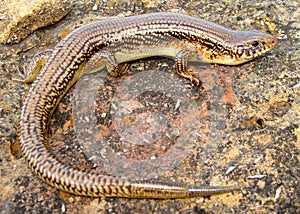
pixel 112 43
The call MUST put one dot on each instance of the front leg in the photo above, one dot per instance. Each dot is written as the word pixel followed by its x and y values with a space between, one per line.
pixel 181 60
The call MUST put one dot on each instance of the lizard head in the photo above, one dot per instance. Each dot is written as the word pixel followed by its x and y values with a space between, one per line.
pixel 251 44
pixel 241 47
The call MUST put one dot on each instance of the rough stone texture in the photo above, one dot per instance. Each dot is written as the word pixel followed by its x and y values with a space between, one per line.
pixel 259 143
pixel 20 18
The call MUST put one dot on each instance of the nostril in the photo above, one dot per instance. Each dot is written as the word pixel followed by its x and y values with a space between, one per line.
pixel 274 41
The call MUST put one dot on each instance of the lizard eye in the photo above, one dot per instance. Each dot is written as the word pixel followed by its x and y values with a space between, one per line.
pixel 255 43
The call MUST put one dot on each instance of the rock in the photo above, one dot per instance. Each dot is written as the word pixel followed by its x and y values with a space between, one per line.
pixel 19 18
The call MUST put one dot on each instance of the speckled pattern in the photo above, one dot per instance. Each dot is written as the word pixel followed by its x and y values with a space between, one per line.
pixel 259 147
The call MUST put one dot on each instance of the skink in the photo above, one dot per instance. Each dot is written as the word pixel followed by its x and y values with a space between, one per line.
pixel 112 43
